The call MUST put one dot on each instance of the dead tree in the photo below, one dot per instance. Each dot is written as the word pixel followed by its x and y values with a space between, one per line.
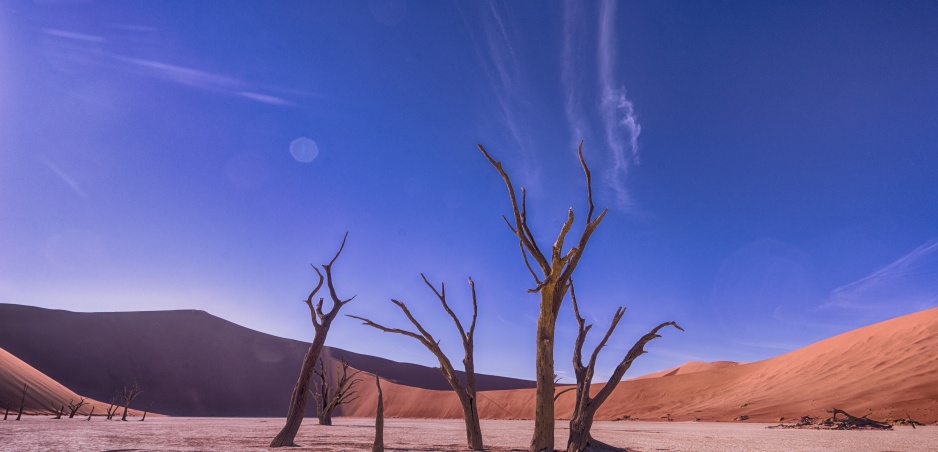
pixel 322 321
pixel 112 409
pixel 127 395
pixel 145 411
pixel 326 399
pixel 58 412
pixel 379 419
pixel 555 269
pixel 7 412
pixel 22 402
pixel 850 422
pixel 89 414
pixel 467 392
pixel 585 406
pixel 73 408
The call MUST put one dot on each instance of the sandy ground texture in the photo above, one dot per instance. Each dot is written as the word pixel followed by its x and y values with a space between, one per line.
pixel 40 433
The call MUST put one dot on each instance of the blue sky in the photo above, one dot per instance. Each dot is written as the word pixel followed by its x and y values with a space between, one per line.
pixel 769 168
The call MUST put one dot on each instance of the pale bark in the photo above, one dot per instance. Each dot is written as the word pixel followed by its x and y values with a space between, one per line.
pixel 552 284
pixel 585 406
pixel 322 321
pixel 467 392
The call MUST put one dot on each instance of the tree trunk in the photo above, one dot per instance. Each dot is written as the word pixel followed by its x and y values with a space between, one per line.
pixel 7 412
pixel 300 396
pixel 22 402
pixel 89 414
pixel 379 420
pixel 471 416
pixel 325 418
pixel 581 440
pixel 543 438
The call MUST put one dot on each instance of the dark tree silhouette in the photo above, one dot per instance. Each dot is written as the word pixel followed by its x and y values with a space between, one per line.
pixel 584 409
pixel 467 392
pixel 328 400
pixel 112 409
pixel 89 414
pixel 127 396
pixel 555 269
pixel 145 411
pixel 22 402
pixel 58 412
pixel 379 419
pixel 322 321
pixel 73 408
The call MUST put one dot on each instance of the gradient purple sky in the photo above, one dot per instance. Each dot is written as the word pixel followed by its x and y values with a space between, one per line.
pixel 770 169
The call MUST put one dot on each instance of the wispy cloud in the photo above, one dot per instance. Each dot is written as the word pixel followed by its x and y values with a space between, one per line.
pixel 71 49
pixel 203 80
pixel 72 35
pixel 616 114
pixel 911 280
pixel 503 68
pixel 64 177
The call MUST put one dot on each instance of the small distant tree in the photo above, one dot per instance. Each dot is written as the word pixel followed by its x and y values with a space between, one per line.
pixel 328 400
pixel 467 392
pixel 322 321
pixel 146 410
pixel 73 408
pixel 91 413
pixel 379 419
pixel 22 402
pixel 7 412
pixel 112 409
pixel 58 412
pixel 584 409
pixel 127 396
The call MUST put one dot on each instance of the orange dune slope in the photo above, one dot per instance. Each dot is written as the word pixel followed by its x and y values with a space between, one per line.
pixel 889 369
pixel 43 393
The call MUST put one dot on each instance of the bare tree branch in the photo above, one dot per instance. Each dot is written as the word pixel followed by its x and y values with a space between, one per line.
pixel 467 392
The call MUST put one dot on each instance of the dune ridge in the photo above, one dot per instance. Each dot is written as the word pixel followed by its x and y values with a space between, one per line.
pixel 885 370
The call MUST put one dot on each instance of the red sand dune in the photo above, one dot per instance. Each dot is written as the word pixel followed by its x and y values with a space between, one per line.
pixel 884 370
pixel 689 368
pixel 44 394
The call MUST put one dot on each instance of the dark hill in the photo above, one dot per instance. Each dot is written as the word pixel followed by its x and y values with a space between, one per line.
pixel 189 362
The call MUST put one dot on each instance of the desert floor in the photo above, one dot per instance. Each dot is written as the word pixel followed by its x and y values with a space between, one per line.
pixel 236 434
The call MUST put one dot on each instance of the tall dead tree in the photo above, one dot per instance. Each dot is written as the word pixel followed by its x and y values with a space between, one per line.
pixel 127 396
pixel 467 392
pixel 22 402
pixel 73 408
pixel 379 419
pixel 328 400
pixel 584 409
pixel 322 321
pixel 555 269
